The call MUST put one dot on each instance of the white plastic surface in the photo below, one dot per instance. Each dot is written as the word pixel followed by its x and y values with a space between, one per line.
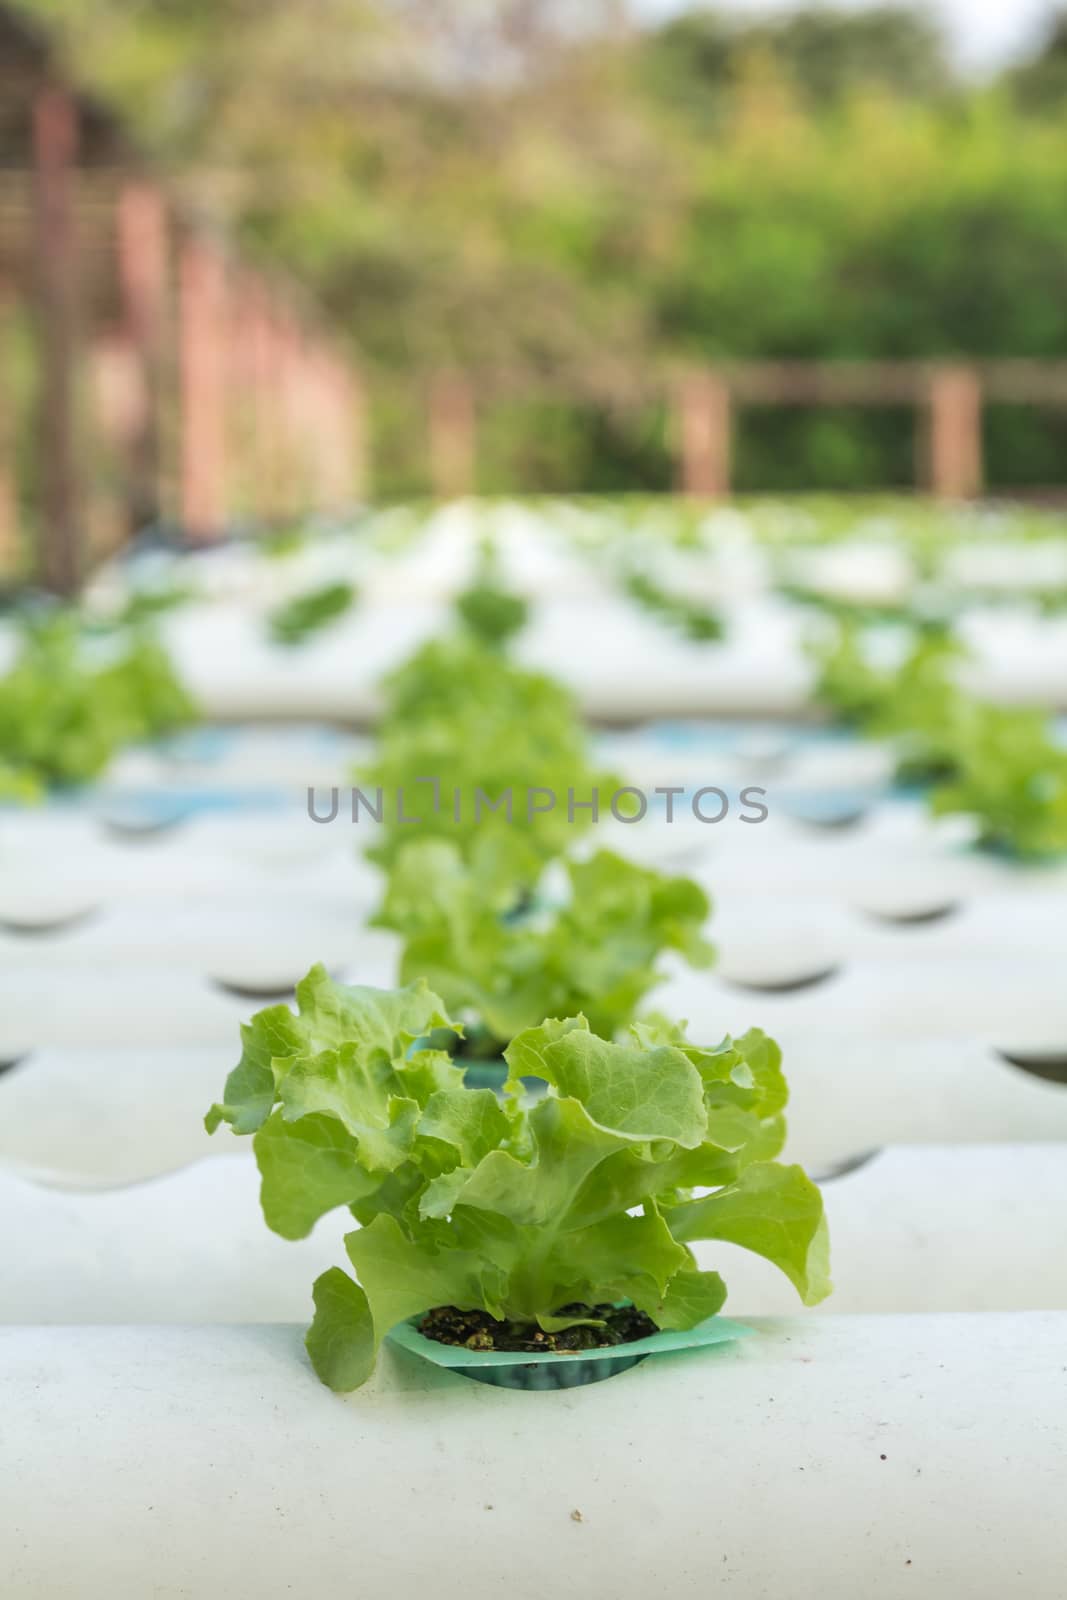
pixel 849 1096
pixel 112 1116
pixel 823 1459
pixel 977 997
pixel 191 1246
pixel 928 1228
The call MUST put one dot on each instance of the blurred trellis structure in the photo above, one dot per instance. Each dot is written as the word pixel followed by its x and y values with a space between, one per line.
pixel 704 403
pixel 147 373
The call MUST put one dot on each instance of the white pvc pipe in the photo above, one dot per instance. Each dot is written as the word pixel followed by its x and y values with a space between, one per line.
pixel 920 1229
pixel 824 1459
pixel 112 1114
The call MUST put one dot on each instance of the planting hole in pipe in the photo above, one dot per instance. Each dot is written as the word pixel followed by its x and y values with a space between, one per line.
pixel 920 917
pixel 829 810
pixel 142 815
pixel 270 982
pixel 833 822
pixel 846 1166
pixel 1049 1065
pixel 267 993
pixel 44 927
pixel 783 985
pixel 139 830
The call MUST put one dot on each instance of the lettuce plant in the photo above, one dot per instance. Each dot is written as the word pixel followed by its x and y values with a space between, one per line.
pixel 19 785
pixel 307 614
pixel 917 704
pixel 282 543
pixel 1000 765
pixel 592 1194
pixel 459 712
pixel 146 691
pixel 1010 775
pixel 65 709
pixel 847 681
pixel 595 952
pixel 488 611
pixel 924 711
pixel 696 622
pixel 145 605
pixel 886 699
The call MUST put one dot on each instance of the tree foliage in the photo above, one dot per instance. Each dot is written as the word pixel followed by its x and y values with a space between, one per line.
pixel 573 209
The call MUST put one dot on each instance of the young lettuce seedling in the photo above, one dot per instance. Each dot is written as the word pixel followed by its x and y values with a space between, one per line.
pixel 596 952
pixel 520 1209
pixel 698 623
pixel 67 707
pixel 1000 765
pixel 307 614
pixel 1010 776
pixel 460 713
pixel 489 611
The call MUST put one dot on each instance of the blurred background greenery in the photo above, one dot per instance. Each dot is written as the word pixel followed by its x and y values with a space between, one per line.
pixel 498 188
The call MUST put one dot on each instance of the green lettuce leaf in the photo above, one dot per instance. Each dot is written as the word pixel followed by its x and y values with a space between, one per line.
pixel 274 1034
pixel 690 1297
pixel 694 621
pixel 307 614
pixel 340 1341
pixel 774 1211
pixel 330 1014
pixel 1003 766
pixel 640 1094
pixel 597 953
pixel 308 1168
pixel 1010 775
pixel 460 713
pixel 70 703
pixel 488 611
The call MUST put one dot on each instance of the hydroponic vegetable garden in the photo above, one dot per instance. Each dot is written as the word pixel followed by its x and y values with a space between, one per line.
pixel 540 942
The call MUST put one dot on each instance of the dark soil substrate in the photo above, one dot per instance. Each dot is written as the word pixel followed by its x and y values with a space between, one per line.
pixel 477 1047
pixel 477 1330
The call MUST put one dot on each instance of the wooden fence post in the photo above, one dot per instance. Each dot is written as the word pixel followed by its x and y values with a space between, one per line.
pixel 954 433
pixel 202 311
pixel 703 424
pixel 141 237
pixel 453 448
pixel 357 426
pixel 264 408
pixel 333 435
pixel 118 403
pixel 55 269
pixel 293 457
pixel 9 517
pixel 317 425
pixel 243 477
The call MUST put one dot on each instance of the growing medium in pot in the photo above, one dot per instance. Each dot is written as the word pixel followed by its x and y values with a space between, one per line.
pixel 536 1213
